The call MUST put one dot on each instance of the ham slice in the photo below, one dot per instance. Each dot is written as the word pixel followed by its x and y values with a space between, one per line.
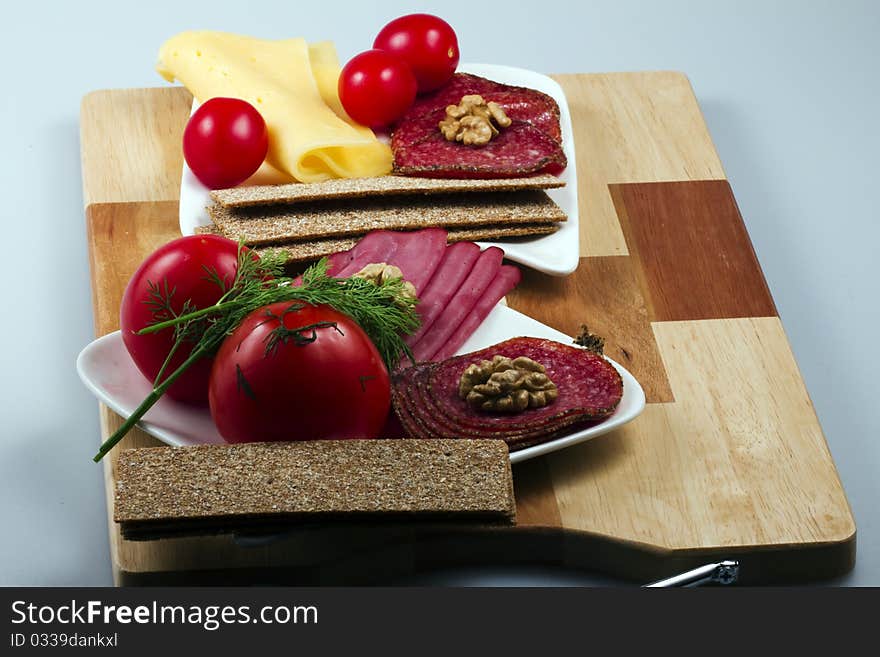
pixel 458 260
pixel 377 246
pixel 505 280
pixel 418 255
pixel 462 303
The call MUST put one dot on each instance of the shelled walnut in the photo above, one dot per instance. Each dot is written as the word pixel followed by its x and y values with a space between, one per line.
pixel 379 272
pixel 473 121
pixel 503 385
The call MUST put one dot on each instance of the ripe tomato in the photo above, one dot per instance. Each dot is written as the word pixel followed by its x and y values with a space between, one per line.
pixel 225 142
pixel 178 269
pixel 376 88
pixel 425 42
pixel 272 382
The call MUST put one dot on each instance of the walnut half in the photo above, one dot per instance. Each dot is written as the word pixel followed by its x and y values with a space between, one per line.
pixel 379 272
pixel 473 121
pixel 503 385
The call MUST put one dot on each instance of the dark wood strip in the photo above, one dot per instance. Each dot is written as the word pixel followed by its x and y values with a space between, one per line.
pixel 604 293
pixel 695 257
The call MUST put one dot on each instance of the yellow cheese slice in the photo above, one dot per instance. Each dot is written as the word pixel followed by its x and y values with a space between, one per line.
pixel 307 137
pixel 326 69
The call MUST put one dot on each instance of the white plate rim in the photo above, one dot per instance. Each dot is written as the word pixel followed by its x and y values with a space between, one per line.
pixel 559 252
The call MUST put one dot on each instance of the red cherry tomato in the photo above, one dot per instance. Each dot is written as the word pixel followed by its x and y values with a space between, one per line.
pixel 177 270
pixel 225 142
pixel 376 88
pixel 272 382
pixel 425 42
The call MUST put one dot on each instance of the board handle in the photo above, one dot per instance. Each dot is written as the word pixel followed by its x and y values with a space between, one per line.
pixel 724 573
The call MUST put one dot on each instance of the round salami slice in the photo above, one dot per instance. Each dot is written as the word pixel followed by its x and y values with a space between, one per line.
pixel 520 149
pixel 539 110
pixel 534 107
pixel 461 84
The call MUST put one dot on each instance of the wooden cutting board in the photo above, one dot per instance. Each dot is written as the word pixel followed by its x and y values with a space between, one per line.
pixel 728 459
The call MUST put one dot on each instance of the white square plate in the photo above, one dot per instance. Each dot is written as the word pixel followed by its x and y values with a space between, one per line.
pixel 107 370
pixel 556 254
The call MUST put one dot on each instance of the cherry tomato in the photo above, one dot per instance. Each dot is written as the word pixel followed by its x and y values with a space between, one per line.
pixel 425 42
pixel 298 372
pixel 376 88
pixel 225 142
pixel 176 272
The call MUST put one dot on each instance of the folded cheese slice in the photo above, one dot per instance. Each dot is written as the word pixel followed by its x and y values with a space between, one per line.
pixel 308 138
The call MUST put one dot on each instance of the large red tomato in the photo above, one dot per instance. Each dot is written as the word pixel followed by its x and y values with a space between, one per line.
pixel 176 272
pixel 292 371
pixel 425 42
pixel 225 142
pixel 376 88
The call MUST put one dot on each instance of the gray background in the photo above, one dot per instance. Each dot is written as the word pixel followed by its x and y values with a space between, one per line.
pixel 790 94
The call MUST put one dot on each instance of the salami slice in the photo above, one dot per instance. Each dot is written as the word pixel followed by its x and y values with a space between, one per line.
pixel 511 98
pixel 538 109
pixel 518 150
pixel 460 85
pixel 542 113
pixel 458 260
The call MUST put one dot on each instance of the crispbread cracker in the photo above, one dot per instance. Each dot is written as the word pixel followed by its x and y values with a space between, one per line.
pixel 313 249
pixel 263 195
pixel 355 217
pixel 173 491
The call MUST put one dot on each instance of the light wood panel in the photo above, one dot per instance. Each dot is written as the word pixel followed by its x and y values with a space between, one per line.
pixel 737 460
pixel 728 458
pixel 632 127
pixel 131 149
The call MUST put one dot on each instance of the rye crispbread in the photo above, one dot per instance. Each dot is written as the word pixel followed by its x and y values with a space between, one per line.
pixel 207 489
pixel 306 221
pixel 305 251
pixel 263 195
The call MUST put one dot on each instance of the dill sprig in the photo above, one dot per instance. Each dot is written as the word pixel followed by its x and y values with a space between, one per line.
pixel 384 311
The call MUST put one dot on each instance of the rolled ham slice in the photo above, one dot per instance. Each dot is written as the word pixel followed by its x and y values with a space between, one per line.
pixel 377 246
pixel 418 255
pixel 458 260
pixel 505 280
pixel 462 303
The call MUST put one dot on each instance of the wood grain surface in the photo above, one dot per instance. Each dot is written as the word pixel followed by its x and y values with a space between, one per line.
pixel 691 250
pixel 727 460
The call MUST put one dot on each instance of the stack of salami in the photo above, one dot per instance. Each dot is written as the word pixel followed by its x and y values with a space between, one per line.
pixel 531 144
pixel 428 405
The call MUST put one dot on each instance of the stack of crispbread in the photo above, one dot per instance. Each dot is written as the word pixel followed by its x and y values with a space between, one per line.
pixel 317 219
